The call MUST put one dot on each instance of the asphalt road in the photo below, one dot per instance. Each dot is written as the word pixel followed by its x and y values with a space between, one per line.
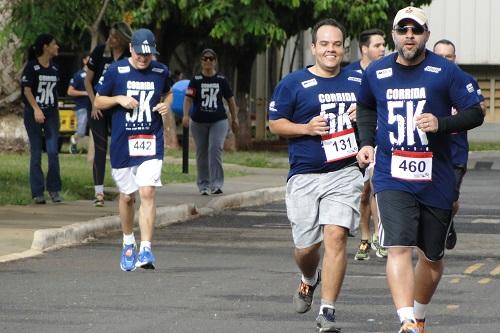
pixel 235 272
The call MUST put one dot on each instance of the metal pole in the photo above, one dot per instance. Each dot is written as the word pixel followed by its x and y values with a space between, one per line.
pixel 185 149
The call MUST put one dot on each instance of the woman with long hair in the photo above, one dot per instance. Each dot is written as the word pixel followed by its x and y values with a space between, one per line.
pixel 41 116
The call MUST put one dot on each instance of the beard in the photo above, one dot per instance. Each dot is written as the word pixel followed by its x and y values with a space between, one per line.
pixel 410 55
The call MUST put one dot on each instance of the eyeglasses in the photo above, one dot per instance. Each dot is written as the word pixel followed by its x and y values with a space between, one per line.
pixel 208 58
pixel 416 30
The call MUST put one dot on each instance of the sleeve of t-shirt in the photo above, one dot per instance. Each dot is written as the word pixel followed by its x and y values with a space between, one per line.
pixel 227 93
pixel 191 89
pixel 282 103
pixel 478 90
pixel 462 91
pixel 27 79
pixel 105 85
pixel 365 95
pixel 74 80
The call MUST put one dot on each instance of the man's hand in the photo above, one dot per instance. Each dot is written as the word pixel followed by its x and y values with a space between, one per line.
pixel 352 112
pixel 185 121
pixel 127 102
pixel 95 113
pixel 365 156
pixel 317 126
pixel 39 116
pixel 427 122
pixel 161 108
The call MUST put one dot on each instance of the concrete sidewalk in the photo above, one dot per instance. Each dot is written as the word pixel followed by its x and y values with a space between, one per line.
pixel 27 231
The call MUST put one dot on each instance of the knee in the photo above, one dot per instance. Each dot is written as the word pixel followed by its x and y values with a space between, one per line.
pixel 147 193
pixel 335 238
pixel 128 199
pixel 365 194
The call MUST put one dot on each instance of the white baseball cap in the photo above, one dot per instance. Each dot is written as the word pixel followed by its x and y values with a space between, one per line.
pixel 411 13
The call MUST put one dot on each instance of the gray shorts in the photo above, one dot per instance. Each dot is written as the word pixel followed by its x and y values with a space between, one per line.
pixel 313 200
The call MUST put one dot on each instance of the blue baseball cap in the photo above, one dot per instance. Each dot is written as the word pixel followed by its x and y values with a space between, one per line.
pixel 143 42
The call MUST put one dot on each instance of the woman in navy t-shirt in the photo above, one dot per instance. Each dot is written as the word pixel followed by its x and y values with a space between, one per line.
pixel 41 116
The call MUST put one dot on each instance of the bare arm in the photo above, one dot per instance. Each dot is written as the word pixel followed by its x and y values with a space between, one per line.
pixel 76 93
pixel 185 110
pixel 39 116
pixel 107 102
pixel 233 109
pixel 285 128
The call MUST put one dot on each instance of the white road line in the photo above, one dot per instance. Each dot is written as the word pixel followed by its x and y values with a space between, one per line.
pixel 488 221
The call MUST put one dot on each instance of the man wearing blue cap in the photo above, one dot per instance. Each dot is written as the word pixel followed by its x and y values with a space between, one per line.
pixel 133 90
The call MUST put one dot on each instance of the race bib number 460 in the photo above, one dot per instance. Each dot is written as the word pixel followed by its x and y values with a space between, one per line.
pixel 142 145
pixel 412 166
pixel 339 145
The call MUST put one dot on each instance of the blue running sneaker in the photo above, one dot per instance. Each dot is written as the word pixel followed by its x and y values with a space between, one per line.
pixel 128 258
pixel 146 259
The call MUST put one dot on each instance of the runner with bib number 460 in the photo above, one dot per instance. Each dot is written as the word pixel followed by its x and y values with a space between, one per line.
pixel 132 90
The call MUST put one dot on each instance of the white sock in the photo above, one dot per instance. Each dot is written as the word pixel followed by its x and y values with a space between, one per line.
pixel 145 244
pixel 406 313
pixel 128 239
pixel 326 304
pixel 310 281
pixel 99 189
pixel 419 310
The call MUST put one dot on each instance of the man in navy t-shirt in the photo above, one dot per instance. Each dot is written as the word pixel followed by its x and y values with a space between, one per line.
pixel 132 90
pixel 314 108
pixel 459 142
pixel 404 106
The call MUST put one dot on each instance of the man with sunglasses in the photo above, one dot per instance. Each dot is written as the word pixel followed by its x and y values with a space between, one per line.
pixel 132 91
pixel 404 105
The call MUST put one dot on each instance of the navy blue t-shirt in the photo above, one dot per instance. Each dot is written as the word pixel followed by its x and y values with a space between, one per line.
pixel 43 83
pixel 459 141
pixel 136 135
pixel 301 96
pixel 100 59
pixel 408 159
pixel 207 93
pixel 77 82
pixel 354 66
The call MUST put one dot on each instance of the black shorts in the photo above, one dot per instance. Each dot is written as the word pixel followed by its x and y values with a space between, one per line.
pixel 407 222
pixel 459 177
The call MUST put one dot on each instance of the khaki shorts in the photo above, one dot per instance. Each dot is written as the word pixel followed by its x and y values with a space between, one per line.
pixel 128 180
pixel 313 200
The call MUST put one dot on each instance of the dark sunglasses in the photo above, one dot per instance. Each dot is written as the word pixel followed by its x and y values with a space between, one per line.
pixel 416 30
pixel 208 58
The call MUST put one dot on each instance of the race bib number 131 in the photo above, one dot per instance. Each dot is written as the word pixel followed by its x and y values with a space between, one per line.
pixel 339 145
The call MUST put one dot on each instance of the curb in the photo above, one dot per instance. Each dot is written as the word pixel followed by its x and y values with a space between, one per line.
pixel 77 233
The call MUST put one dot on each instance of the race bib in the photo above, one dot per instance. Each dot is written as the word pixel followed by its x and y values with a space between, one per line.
pixel 142 145
pixel 413 166
pixel 339 145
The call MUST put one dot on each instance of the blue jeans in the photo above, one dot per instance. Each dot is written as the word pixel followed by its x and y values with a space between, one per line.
pixel 81 122
pixel 36 133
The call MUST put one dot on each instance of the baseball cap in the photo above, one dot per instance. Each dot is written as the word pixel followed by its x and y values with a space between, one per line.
pixel 143 42
pixel 212 52
pixel 412 13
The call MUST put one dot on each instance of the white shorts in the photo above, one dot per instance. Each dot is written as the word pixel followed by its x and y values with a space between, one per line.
pixel 128 180
pixel 313 200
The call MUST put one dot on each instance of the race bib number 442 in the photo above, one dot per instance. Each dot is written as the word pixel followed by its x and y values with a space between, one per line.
pixel 142 145
pixel 339 145
pixel 412 166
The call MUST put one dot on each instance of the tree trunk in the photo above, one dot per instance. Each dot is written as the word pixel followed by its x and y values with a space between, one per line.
pixel 244 74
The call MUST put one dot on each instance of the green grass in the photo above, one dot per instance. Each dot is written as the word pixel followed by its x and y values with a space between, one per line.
pixel 482 146
pixel 76 176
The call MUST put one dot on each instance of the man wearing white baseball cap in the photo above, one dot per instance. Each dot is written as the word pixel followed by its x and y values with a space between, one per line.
pixel 404 105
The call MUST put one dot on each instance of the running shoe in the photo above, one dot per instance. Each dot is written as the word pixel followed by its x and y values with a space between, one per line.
pixel 72 146
pixel 128 258
pixel 421 325
pixel 55 196
pixel 204 192
pixel 409 326
pixel 363 250
pixel 375 244
pixel 326 321
pixel 99 200
pixel 380 251
pixel 146 259
pixel 451 239
pixel 39 200
pixel 217 191
pixel 303 298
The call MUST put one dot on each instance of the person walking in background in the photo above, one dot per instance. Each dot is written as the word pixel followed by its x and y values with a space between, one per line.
pixel 459 142
pixel 131 91
pixel 41 116
pixel 76 89
pixel 116 48
pixel 372 47
pixel 209 123
pixel 312 107
pixel 404 105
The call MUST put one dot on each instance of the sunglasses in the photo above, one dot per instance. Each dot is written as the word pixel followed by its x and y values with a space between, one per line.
pixel 416 30
pixel 208 58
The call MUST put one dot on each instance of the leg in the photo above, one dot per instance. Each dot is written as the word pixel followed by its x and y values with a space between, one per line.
pixel 308 260
pixel 147 212
pixel 334 262
pixel 217 135
pixel 126 208
pixel 363 252
pixel 51 128
pixel 400 277
pixel 100 136
pixel 200 137
pixel 36 177
pixel 427 277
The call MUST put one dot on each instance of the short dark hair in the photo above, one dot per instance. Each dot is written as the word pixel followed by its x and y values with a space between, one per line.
pixel 365 35
pixel 327 21
pixel 445 42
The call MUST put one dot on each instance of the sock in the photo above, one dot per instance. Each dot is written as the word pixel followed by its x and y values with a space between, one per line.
pixel 99 189
pixel 326 304
pixel 310 281
pixel 128 239
pixel 406 313
pixel 419 310
pixel 145 244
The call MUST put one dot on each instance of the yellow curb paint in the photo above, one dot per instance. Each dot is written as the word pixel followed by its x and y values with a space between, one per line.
pixel 452 306
pixel 496 271
pixel 484 281
pixel 455 280
pixel 472 268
